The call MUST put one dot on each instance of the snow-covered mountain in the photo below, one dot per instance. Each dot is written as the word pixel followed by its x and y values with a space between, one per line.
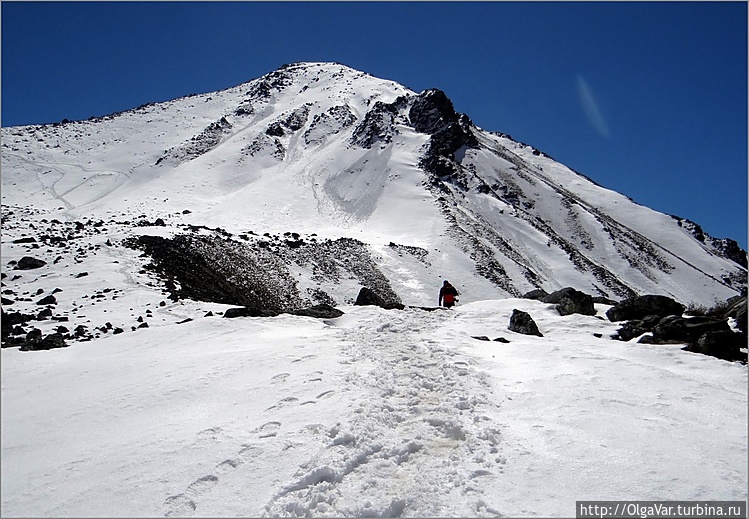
pixel 129 237
pixel 326 153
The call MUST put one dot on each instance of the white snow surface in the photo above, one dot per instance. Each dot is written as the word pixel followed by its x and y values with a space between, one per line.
pixel 376 413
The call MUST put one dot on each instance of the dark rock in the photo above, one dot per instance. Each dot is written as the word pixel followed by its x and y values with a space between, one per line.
pixel 52 341
pixel 432 110
pixel 502 340
pixel 7 301
pixel 143 325
pixel 647 339
pixel 522 322
pixel 33 338
pixel 29 239
pixel 603 300
pixel 118 331
pixel 630 330
pixel 723 344
pixel 480 337
pixel 640 306
pixel 29 263
pixel 322 311
pixel 48 300
pixel 537 294
pixel 368 297
pixel 571 301
pixel 678 329
pixel 81 274
pixel 183 321
pixel 249 312
pixel 44 314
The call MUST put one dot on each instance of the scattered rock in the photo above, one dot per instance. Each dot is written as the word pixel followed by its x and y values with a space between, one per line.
pixel 480 337
pixel 368 297
pixel 29 263
pixel 538 294
pixel 244 311
pixel 522 322
pixel 723 344
pixel 48 300
pixel 570 301
pixel 322 311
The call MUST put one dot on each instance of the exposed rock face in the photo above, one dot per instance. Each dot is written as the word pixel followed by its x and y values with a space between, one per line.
pixel 641 306
pixel 432 112
pixel 378 124
pixel 522 322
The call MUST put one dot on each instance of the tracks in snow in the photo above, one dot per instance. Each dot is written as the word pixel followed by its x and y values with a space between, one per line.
pixel 417 440
pixel 416 443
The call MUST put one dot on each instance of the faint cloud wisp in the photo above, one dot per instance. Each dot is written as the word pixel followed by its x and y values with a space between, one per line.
pixel 590 108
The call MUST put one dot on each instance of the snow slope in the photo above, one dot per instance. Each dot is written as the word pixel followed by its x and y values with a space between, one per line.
pixel 376 413
pixel 321 148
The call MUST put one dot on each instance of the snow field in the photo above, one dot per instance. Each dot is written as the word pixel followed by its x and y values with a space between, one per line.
pixel 376 413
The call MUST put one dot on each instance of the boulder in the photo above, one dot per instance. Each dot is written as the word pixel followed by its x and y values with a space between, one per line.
pixel 245 311
pixel 368 297
pixel 678 329
pixel 48 300
pixel 322 311
pixel 522 322
pixel 641 306
pixel 571 301
pixel 29 263
pixel 538 294
pixel 723 344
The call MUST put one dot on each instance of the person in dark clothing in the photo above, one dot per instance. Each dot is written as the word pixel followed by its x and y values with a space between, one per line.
pixel 448 295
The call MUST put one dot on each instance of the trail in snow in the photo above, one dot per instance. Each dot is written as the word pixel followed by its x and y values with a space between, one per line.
pixel 416 443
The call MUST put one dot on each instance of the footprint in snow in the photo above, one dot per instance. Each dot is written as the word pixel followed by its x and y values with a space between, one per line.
pixel 279 378
pixel 183 505
pixel 269 429
pixel 179 506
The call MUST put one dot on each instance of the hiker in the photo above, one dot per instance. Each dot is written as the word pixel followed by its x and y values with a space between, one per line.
pixel 447 295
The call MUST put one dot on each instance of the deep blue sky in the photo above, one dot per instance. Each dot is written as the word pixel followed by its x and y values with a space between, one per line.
pixel 648 99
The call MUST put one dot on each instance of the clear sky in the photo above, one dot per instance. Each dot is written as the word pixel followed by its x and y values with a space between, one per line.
pixel 646 98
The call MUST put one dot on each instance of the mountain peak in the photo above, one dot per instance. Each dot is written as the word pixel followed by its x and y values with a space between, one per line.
pixel 323 150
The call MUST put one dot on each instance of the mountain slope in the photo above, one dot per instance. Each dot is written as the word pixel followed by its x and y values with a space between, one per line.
pixel 325 151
